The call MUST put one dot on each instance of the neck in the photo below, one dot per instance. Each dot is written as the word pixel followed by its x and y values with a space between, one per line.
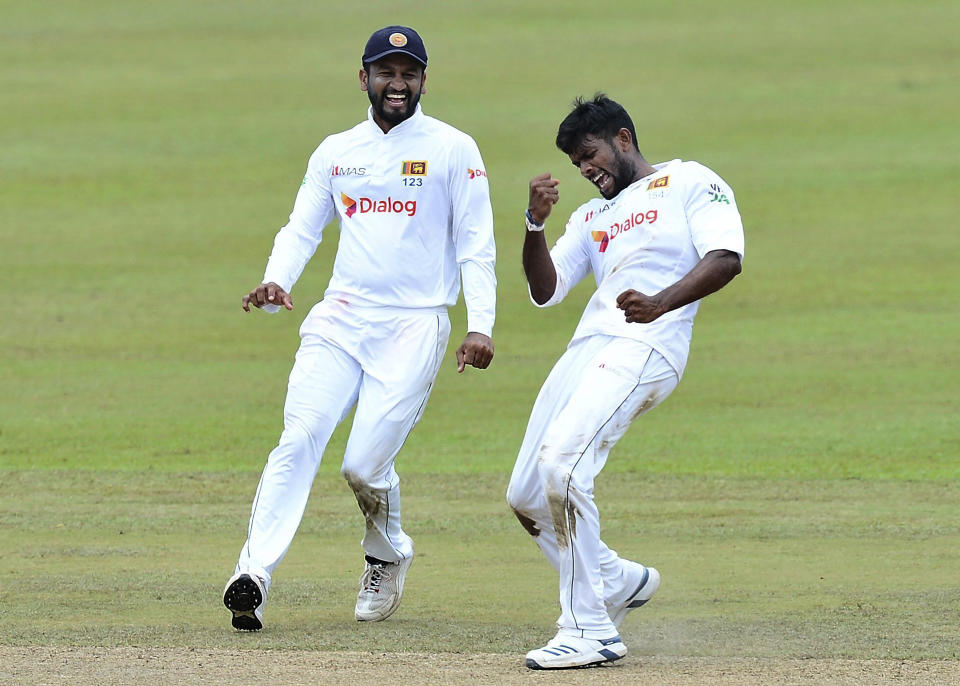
pixel 642 167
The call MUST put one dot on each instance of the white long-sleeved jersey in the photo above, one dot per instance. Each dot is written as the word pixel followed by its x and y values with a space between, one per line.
pixel 414 209
pixel 646 239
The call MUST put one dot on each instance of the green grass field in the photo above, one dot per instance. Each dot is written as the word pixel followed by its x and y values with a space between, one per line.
pixel 800 491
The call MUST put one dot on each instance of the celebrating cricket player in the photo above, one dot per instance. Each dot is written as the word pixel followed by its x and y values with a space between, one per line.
pixel 413 202
pixel 659 239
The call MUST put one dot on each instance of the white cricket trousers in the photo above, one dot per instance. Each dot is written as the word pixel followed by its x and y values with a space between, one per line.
pixel 384 361
pixel 596 389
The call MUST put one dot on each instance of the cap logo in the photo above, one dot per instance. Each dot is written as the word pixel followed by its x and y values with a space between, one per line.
pixel 398 40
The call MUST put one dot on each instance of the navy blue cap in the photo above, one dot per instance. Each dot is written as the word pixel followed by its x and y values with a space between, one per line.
pixel 393 39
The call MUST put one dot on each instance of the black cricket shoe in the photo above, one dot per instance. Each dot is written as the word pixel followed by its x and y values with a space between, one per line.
pixel 244 595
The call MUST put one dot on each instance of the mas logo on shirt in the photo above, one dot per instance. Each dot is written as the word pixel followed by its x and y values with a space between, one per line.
pixel 717 194
pixel 337 170
pixel 593 213
pixel 414 168
pixel 375 206
pixel 476 173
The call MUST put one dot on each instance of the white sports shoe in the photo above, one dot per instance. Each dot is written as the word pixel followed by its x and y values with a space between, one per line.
pixel 244 595
pixel 566 652
pixel 648 584
pixel 381 586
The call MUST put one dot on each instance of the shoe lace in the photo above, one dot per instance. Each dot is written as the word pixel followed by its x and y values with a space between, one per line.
pixel 374 575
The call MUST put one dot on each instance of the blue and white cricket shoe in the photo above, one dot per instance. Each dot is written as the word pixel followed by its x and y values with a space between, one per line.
pixel 567 652
pixel 648 582
pixel 244 596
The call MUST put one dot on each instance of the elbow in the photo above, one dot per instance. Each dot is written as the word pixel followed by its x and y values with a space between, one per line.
pixel 540 297
pixel 736 266
pixel 731 263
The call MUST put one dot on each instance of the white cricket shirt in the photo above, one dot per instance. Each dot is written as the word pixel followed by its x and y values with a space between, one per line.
pixel 647 238
pixel 414 209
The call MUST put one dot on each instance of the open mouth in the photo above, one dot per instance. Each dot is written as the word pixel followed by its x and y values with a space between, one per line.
pixel 603 181
pixel 397 101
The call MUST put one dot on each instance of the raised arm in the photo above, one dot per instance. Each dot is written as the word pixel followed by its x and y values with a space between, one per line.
pixel 537 264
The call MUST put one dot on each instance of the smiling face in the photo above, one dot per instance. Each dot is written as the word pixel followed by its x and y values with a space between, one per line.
pixel 394 85
pixel 606 164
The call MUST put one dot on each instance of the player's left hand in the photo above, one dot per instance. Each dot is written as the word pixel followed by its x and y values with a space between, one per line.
pixel 639 307
pixel 476 350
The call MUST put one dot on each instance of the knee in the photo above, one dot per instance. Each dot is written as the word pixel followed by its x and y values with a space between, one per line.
pixel 516 498
pixel 295 447
pixel 554 469
pixel 358 478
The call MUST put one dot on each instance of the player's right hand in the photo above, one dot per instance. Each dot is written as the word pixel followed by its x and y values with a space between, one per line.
pixel 267 294
pixel 543 196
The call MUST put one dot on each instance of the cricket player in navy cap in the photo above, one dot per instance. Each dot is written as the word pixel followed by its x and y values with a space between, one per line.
pixel 413 202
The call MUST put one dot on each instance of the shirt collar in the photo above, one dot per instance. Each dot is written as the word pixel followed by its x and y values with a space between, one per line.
pixel 406 125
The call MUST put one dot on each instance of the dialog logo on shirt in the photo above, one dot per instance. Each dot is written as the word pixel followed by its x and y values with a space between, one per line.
pixel 602 238
pixel 617 228
pixel 414 168
pixel 349 204
pixel 476 173
pixel 374 206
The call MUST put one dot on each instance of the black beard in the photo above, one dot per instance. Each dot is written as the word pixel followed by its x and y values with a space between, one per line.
pixel 392 117
pixel 624 173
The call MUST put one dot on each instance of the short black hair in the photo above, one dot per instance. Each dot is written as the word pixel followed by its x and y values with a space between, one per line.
pixel 600 117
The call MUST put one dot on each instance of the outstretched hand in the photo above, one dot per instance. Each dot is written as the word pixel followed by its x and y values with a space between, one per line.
pixel 476 350
pixel 267 294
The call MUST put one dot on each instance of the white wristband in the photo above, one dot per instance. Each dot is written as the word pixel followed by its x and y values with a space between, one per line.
pixel 531 225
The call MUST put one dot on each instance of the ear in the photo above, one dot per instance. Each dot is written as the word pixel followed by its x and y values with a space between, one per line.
pixel 624 140
pixel 423 81
pixel 363 79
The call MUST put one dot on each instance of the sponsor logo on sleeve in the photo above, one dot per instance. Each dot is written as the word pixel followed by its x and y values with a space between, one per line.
pixel 375 206
pixel 717 194
pixel 414 168
pixel 476 173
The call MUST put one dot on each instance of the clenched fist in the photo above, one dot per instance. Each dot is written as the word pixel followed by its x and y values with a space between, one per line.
pixel 543 196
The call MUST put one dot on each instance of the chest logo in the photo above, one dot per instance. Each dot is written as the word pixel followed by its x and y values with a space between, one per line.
pixel 602 238
pixel 662 182
pixel 414 168
pixel 337 170
pixel 377 206
pixel 632 221
pixel 593 213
